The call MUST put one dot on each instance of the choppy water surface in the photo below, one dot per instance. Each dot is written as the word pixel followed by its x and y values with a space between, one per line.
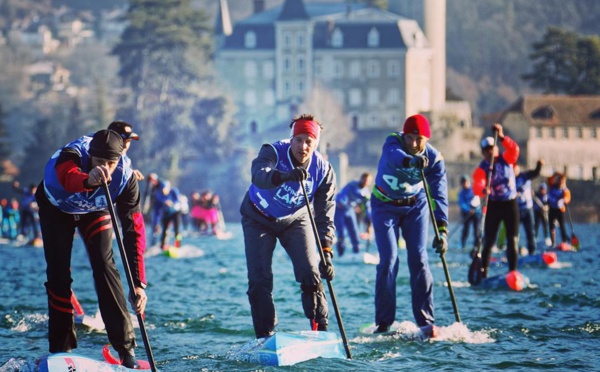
pixel 198 314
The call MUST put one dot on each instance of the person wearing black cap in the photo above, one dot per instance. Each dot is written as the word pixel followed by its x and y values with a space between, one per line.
pixel 126 131
pixel 69 198
pixel 399 205
pixel 502 205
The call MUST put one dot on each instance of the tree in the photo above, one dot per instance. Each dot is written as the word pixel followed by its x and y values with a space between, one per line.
pixel 565 62
pixel 164 57
pixel 5 148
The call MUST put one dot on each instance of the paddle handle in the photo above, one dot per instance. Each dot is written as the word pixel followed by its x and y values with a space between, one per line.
pixel 128 275
pixel 437 236
pixel 322 255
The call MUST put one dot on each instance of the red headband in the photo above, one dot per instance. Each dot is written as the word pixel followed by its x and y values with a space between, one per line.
pixel 306 127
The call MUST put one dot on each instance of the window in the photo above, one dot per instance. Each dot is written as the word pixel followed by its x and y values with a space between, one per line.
pixel 373 69
pixel 579 132
pixel 355 69
pixel 269 98
pixel 337 39
pixel 373 120
pixel 538 132
pixel 300 87
pixel 395 121
pixel 287 39
pixel 268 70
pixel 372 96
pixel 253 127
pixel 250 40
pixel 354 97
pixel 250 98
pixel 300 64
pixel 393 68
pixel 318 69
pixel 287 64
pixel 593 133
pixel 300 39
pixel 565 132
pixel 552 132
pixel 354 122
pixel 338 71
pixel 393 97
pixel 250 69
pixel 373 38
pixel 286 87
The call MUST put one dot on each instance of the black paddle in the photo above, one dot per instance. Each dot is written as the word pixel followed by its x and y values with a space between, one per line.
pixel 574 239
pixel 437 236
pixel 476 269
pixel 331 293
pixel 140 318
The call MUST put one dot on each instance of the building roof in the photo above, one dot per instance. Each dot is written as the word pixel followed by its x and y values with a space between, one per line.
pixel 555 110
pixel 354 20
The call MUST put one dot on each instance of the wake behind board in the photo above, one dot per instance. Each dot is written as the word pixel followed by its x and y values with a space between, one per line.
pixel 185 251
pixel 288 348
pixel 513 280
pixel 357 258
pixel 405 330
pixel 74 362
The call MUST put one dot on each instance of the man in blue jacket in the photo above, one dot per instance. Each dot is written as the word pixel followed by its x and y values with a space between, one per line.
pixel 356 194
pixel 274 208
pixel 399 202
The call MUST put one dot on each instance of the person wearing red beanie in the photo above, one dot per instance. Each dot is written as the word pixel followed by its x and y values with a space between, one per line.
pixel 274 208
pixel 399 205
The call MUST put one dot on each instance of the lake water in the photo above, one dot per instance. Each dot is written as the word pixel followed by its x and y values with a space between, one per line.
pixel 198 314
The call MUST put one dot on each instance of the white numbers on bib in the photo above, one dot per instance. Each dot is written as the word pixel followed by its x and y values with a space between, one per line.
pixel 392 181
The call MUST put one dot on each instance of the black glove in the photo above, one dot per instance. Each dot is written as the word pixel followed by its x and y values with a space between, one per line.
pixel 326 268
pixel 297 174
pixel 441 245
pixel 419 161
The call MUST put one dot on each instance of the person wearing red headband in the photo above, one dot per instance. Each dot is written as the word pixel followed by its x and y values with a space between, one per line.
pixel 274 208
pixel 399 203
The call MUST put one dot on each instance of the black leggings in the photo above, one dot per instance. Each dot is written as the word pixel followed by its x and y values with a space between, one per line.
pixel 96 230
pixel 507 212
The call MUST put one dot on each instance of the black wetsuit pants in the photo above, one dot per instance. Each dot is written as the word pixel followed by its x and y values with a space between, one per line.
pixel 497 212
pixel 58 229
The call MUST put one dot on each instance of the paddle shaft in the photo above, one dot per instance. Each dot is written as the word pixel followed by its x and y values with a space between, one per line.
pixel 437 236
pixel 143 201
pixel 140 318
pixel 322 255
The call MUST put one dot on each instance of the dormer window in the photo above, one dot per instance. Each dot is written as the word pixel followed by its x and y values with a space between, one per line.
pixel 543 113
pixel 373 39
pixel 250 40
pixel 337 39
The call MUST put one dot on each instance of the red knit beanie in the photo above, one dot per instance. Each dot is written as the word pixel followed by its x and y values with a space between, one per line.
pixel 417 124
pixel 306 127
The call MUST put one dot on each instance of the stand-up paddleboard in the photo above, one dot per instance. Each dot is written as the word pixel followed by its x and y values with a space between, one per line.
pixel 405 330
pixel 545 259
pixel 565 247
pixel 513 280
pixel 288 348
pixel 74 362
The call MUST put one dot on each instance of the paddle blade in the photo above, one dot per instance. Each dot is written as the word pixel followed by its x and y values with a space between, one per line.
pixel 575 242
pixel 475 271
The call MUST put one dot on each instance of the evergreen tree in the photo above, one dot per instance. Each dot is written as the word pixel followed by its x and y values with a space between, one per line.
pixel 5 147
pixel 164 54
pixel 565 62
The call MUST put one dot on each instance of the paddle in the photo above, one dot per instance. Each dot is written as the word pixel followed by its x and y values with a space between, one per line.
pixel 475 269
pixel 322 254
pixel 574 239
pixel 437 236
pixel 140 317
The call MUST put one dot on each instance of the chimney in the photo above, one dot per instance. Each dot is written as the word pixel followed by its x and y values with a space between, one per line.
pixel 259 6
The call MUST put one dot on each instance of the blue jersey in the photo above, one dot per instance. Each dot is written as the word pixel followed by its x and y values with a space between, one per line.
pixel 503 185
pixel 396 181
pixel 288 198
pixel 86 201
pixel 524 197
pixel 467 201
pixel 352 195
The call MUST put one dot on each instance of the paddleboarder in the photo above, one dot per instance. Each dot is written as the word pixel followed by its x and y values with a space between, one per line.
pixel 540 210
pixel 502 205
pixel 559 196
pixel 525 200
pixel 356 194
pixel 69 198
pixel 470 211
pixel 399 202
pixel 167 200
pixel 274 209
